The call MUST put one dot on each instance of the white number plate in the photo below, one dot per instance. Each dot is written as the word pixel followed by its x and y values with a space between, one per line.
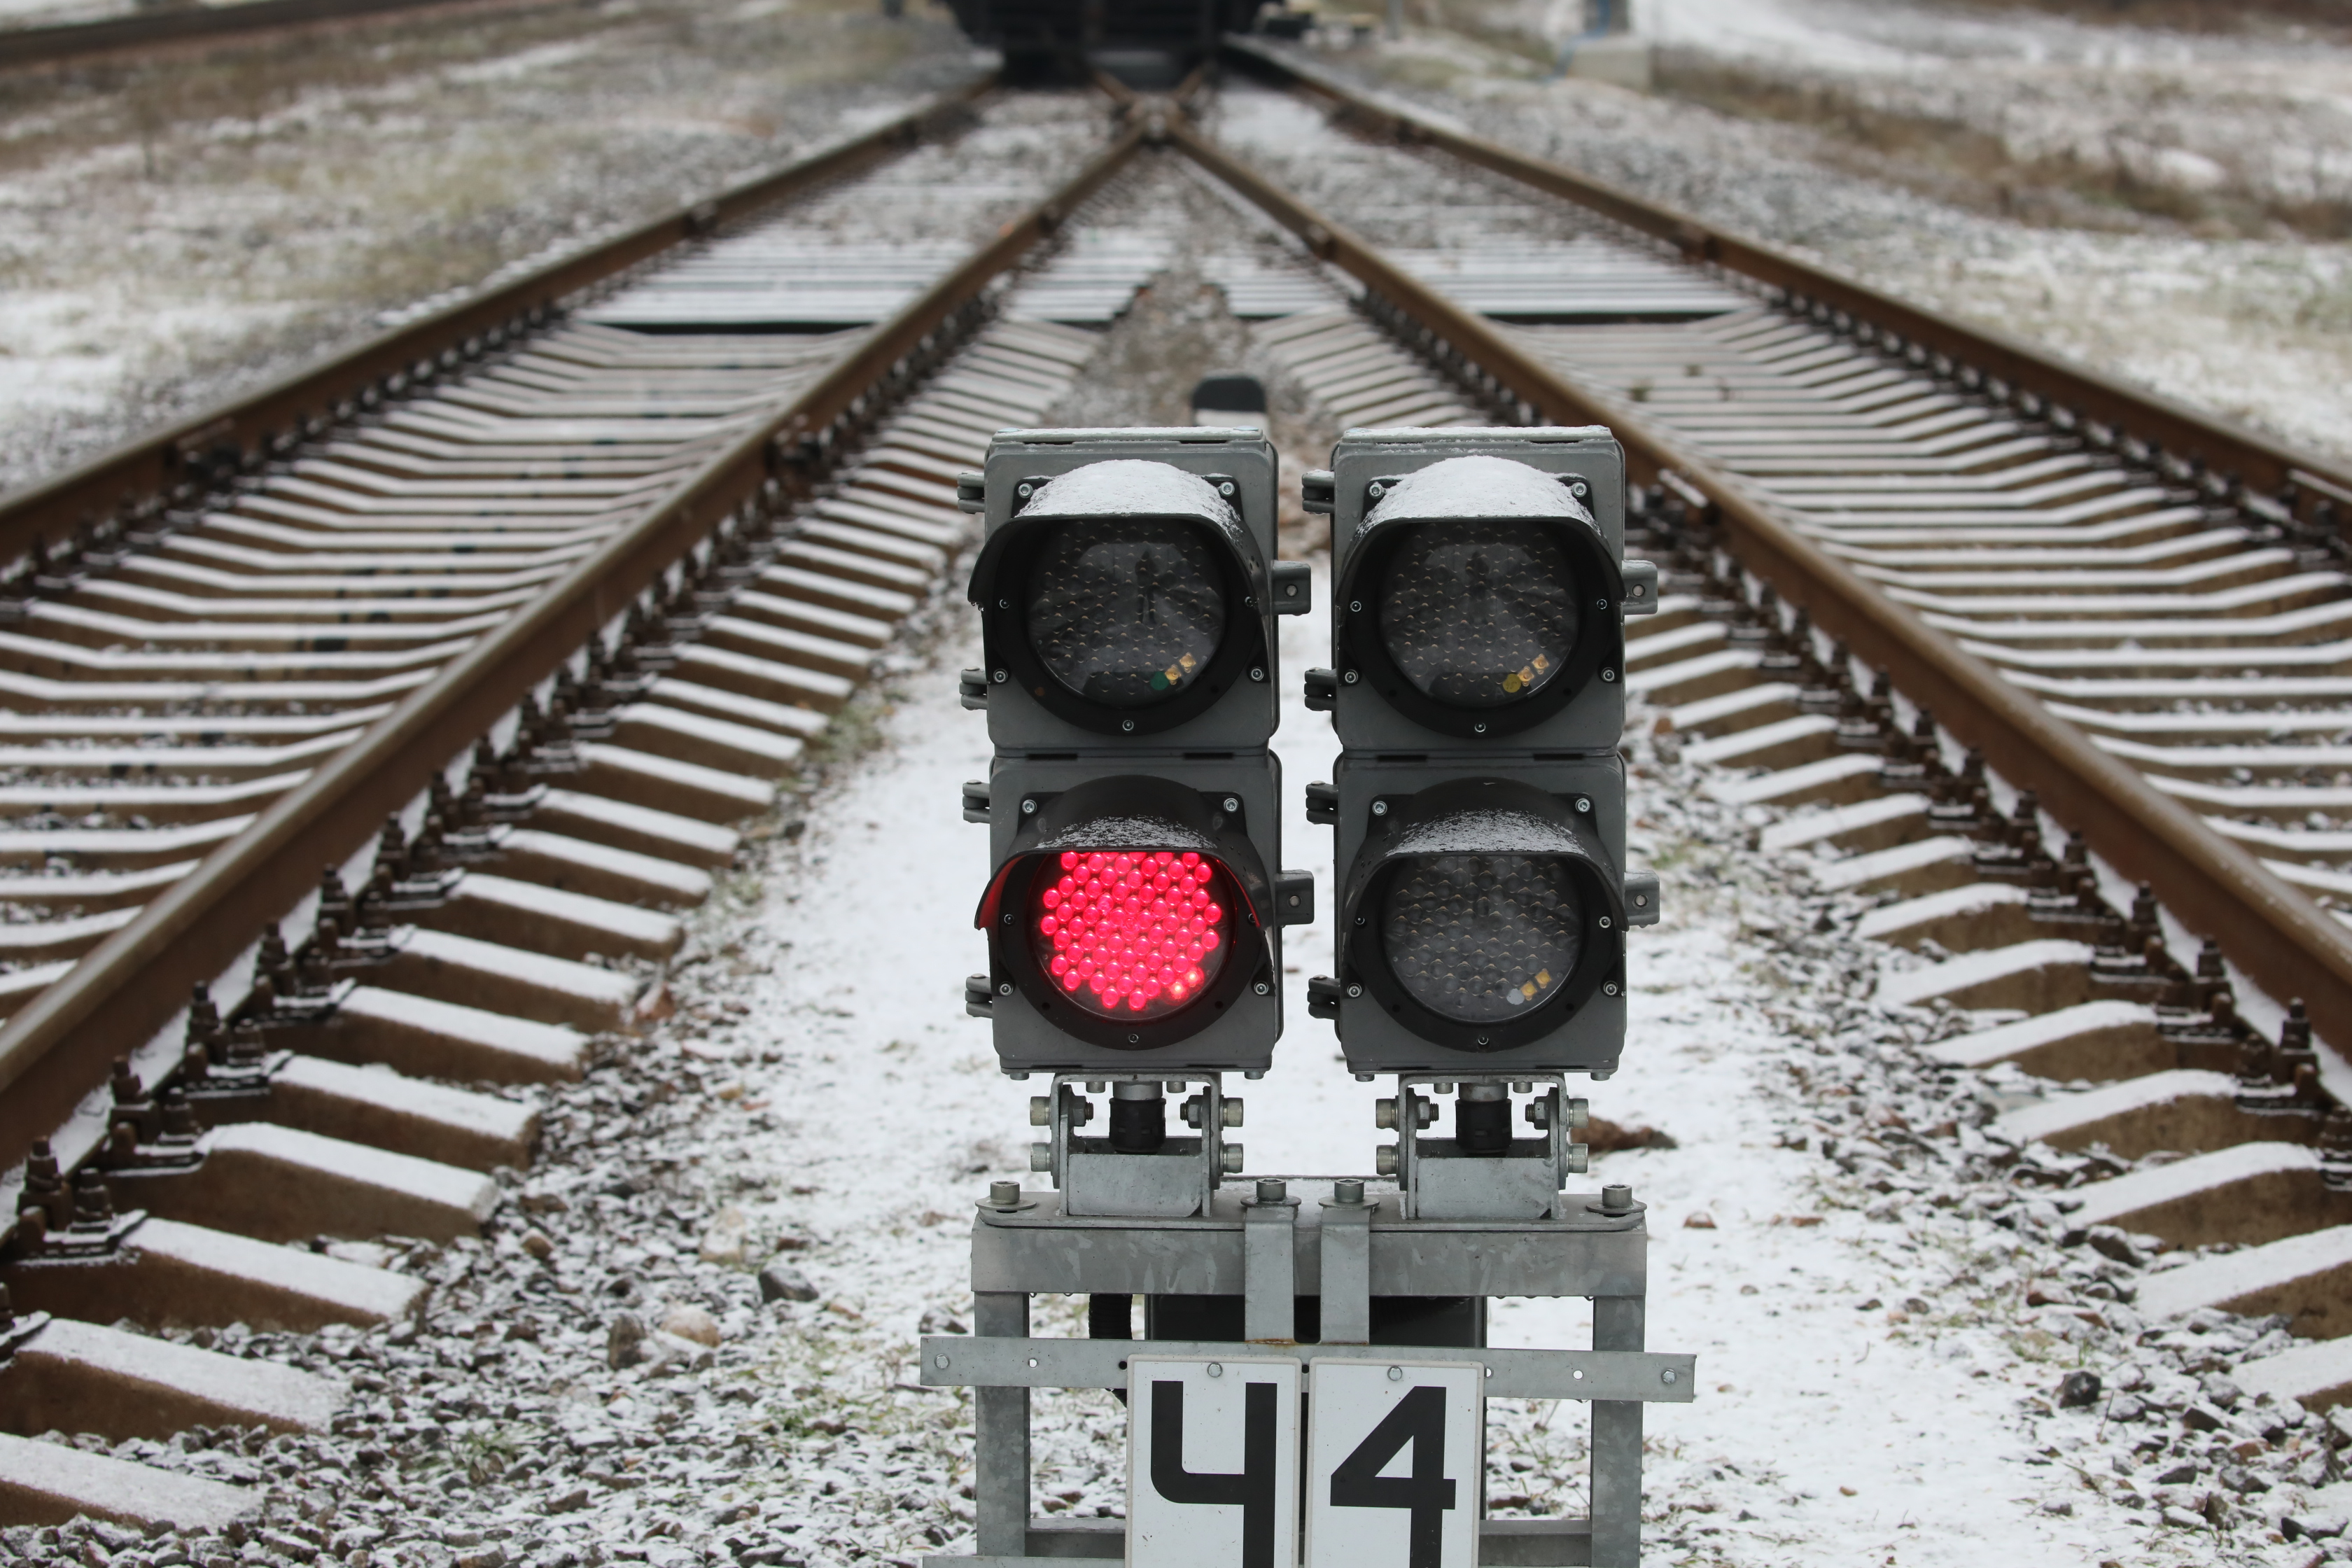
pixel 1395 1459
pixel 1212 1463
pixel 1395 1456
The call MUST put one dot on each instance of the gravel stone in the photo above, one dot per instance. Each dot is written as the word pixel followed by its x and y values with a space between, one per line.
pixel 780 1281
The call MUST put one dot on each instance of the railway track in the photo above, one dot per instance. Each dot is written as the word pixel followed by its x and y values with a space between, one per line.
pixel 2178 617
pixel 55 43
pixel 734 470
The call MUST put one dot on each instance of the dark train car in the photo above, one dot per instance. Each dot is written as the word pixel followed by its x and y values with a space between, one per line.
pixel 1145 43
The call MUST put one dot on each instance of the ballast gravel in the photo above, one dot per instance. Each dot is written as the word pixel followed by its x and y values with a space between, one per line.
pixel 688 1334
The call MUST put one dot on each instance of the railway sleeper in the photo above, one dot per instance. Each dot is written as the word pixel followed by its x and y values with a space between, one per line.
pixel 167 1274
pixel 668 784
pixel 864 631
pixel 705 741
pixel 1734 713
pixel 599 870
pixel 779 719
pixel 421 1036
pixel 2215 1137
pixel 61 1374
pixel 765 678
pixel 45 1483
pixel 496 978
pixel 380 1107
pixel 548 921
pixel 331 1140
pixel 281 1183
pixel 637 829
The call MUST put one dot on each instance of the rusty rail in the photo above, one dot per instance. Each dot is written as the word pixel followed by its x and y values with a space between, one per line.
pixel 58 1046
pixel 2237 456
pixel 131 478
pixel 2279 938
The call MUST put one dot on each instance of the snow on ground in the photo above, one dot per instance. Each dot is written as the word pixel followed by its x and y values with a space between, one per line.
pixel 173 229
pixel 48 13
pixel 1880 1297
pixel 2168 207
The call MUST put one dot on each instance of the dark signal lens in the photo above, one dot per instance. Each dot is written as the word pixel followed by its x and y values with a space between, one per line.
pixel 1125 612
pixel 1482 938
pixel 1479 615
pixel 1132 935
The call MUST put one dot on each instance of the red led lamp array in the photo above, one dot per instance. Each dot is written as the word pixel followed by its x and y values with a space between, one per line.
pixel 1133 934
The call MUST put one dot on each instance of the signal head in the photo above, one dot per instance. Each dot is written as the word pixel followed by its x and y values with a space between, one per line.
pixel 1126 587
pixel 1132 920
pixel 1478 586
pixel 1482 915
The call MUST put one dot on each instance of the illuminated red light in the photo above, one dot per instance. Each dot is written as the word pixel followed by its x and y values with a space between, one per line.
pixel 1132 934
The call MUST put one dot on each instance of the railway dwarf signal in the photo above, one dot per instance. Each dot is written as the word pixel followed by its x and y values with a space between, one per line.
pixel 1277 1419
pixel 1127 590
pixel 1479 799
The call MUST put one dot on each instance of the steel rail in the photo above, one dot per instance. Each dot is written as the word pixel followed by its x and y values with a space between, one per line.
pixel 128 480
pixel 60 1045
pixel 2239 455
pixel 2280 939
pixel 56 41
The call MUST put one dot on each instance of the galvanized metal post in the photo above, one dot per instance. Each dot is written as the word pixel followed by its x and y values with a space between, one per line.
pixel 1346 1256
pixel 1618 1324
pixel 1000 1489
pixel 1269 1266
pixel 1396 20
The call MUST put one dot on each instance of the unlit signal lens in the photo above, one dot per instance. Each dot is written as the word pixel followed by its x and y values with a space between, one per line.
pixel 1479 615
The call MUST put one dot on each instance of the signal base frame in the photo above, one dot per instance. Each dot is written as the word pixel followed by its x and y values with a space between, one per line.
pixel 1346 1256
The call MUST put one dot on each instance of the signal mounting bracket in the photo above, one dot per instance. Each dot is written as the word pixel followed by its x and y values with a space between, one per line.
pixel 1170 1180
